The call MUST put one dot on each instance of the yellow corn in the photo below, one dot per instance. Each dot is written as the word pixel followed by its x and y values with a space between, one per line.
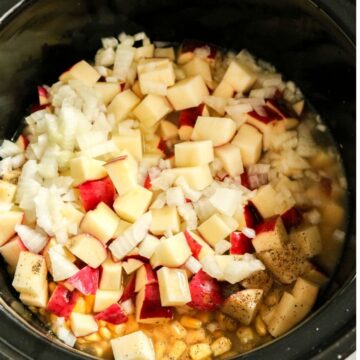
pixel 160 349
pixel 177 330
pixel 93 337
pixel 218 333
pixel 272 298
pixel 195 336
pixel 226 322
pixel 105 333
pixel 102 323
pixel 260 326
pixel 221 346
pixel 200 351
pixel 204 316
pixel 131 325
pixel 245 334
pixel 89 300
pixel 80 306
pixel 176 350
pixel 117 330
pixel 190 322
pixel 52 286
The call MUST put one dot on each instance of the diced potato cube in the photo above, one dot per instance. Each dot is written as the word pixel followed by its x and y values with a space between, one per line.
pixel 123 225
pixel 198 177
pixel 84 169
pixel 221 345
pixel 215 229
pixel 30 274
pixel 133 204
pixel 107 91
pixel 174 287
pixel 134 346
pixel 101 223
pixel 81 71
pixel 122 104
pixel 172 252
pixel 239 76
pixel 82 324
pixel 8 221
pixel 187 93
pixel 200 351
pixel 106 298
pixel 164 220
pixel 152 109
pixel 110 275
pixel 193 153
pixel 230 157
pixel 198 66
pixel 308 238
pixel 145 51
pixel 7 191
pixel 224 90
pixel 165 53
pixel 131 141
pixel 39 300
pixel 265 201
pixel 249 140
pixel 168 130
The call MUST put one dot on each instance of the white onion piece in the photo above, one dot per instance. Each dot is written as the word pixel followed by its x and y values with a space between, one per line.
pixel 66 336
pixel 124 57
pixel 226 201
pixel 128 307
pixel 239 109
pixel 250 233
pixel 211 267
pixel 187 212
pixel 159 202
pixel 61 267
pixel 193 265
pixel 8 148
pixel 33 240
pixel 190 194
pixel 222 246
pixel 105 57
pixel 175 196
pixel 252 101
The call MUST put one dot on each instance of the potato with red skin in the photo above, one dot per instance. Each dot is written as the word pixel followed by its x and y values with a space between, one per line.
pixel 96 191
pixel 129 291
pixel 205 292
pixel 194 246
pixel 62 301
pixel 240 244
pixel 114 314
pixel 292 218
pixel 86 280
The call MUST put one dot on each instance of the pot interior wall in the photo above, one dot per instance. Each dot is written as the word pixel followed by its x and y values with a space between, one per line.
pixel 45 37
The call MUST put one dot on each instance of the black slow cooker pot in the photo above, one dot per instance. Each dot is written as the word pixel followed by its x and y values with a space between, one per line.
pixel 311 42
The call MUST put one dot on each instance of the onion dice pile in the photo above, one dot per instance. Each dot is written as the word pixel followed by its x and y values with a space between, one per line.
pixel 150 180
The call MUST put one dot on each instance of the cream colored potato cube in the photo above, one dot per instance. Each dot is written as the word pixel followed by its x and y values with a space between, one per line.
pixel 265 201
pixel 106 298
pixel 71 214
pixel 133 204
pixel 168 130
pixel 198 66
pixel 174 287
pixel 198 177
pixel 39 300
pixel 146 51
pixel 148 246
pixel 249 140
pixel 219 130
pixel 215 229
pixel 239 76
pixel 151 159
pixel 193 153
pixel 132 265
pixel 165 53
pixel 88 249
pixel 84 169
pixel 110 275
pixel 7 191
pixel 8 221
pixel 107 91
pixel 152 109
pixel 30 273
pixel 123 225
pixel 187 93
pixel 185 132
pixel 82 324
pixel 130 141
pixel 224 90
pixel 200 351
pixel 11 252
pixel 134 346
pixel 123 172
pixel 308 238
pixel 164 220
pixel 122 104
pixel 172 252
pixel 101 223
pixel 230 157
pixel 81 71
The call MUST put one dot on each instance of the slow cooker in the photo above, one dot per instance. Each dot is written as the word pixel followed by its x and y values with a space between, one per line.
pixel 311 42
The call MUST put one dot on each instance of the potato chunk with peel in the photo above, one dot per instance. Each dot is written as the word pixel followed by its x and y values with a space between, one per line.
pixel 308 238
pixel 82 324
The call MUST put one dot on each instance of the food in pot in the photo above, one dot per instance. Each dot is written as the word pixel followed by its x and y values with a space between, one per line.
pixel 171 203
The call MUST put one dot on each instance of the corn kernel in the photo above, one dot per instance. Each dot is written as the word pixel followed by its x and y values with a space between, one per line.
pixel 89 299
pixel 272 298
pixel 80 306
pixel 200 351
pixel 105 333
pixel 204 316
pixel 102 323
pixel 195 336
pixel 245 334
pixel 177 330
pixel 93 337
pixel 260 326
pixel 221 346
pixel 160 349
pixel 190 322
pixel 117 330
pixel 52 286
pixel 217 334
pixel 131 325
pixel 176 350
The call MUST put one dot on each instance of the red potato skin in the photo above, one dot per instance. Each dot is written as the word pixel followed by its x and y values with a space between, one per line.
pixel 292 218
pixel 62 301
pixel 245 180
pixel 267 225
pixel 129 291
pixel 147 182
pixel 188 117
pixel 194 246
pixel 240 244
pixel 136 257
pixel 151 307
pixel 162 145
pixel 151 277
pixel 252 216
pixel 271 115
pixel 96 191
pixel 23 141
pixel 205 292
pixel 114 314
pixel 86 280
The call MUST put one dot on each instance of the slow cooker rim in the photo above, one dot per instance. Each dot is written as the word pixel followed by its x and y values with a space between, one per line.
pixel 349 33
